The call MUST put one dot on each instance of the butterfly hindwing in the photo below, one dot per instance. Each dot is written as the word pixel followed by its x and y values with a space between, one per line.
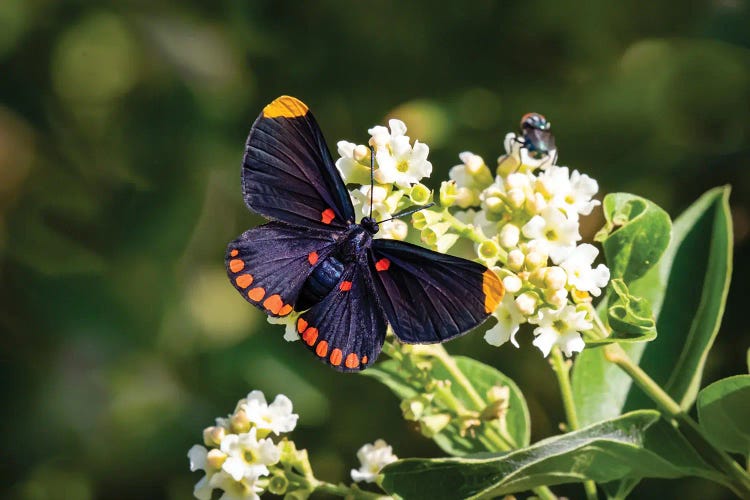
pixel 288 173
pixel 269 264
pixel 431 297
pixel 347 328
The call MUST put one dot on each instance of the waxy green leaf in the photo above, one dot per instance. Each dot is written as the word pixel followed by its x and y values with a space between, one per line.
pixel 724 413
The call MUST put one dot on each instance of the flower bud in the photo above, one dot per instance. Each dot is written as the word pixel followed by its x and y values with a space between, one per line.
pixel 448 192
pixel 395 230
pixel 509 236
pixel 432 425
pixel 420 194
pixel 445 242
pixel 535 259
pixel 516 198
pixel 239 422
pixel 476 168
pixel 494 204
pixel 431 234
pixel 507 164
pixel 466 198
pixel 498 393
pixel 555 278
pixel 526 303
pixel 536 277
pixel 413 408
pixel 278 484
pixel 215 459
pixel 556 298
pixel 580 297
pixel 536 203
pixel 361 153
pixel 512 283
pixel 515 260
pixel 488 250
pixel 213 435
pixel 424 218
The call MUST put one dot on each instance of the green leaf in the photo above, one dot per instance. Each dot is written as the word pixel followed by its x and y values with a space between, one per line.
pixel 635 235
pixel 635 445
pixel 673 289
pixel 483 377
pixel 629 317
pixel 724 413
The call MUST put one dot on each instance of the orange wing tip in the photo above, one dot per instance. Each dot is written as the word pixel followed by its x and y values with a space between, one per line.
pixel 493 290
pixel 285 107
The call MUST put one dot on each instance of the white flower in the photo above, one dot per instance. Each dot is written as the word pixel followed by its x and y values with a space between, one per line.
pixel 552 233
pixel 398 162
pixel 560 327
pixel 581 275
pixel 571 193
pixel 373 457
pixel 277 416
pixel 198 456
pixel 248 457
pixel 290 325
pixel 395 229
pixel 353 165
pixel 509 319
pixel 243 489
pixel 472 173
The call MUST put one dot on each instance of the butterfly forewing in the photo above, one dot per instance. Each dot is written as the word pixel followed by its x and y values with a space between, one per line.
pixel 269 264
pixel 288 173
pixel 431 297
pixel 347 328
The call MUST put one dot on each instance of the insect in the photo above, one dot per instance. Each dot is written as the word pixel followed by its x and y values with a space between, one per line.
pixel 537 138
pixel 314 258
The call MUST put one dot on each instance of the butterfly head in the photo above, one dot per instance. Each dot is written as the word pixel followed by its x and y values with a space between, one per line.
pixel 370 225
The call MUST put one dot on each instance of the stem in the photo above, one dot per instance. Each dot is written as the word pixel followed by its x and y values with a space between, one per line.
pixel 342 490
pixel 738 477
pixel 562 370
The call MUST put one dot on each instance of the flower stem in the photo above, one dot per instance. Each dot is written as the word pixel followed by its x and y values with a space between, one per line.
pixel 562 371
pixel 348 492
pixel 739 480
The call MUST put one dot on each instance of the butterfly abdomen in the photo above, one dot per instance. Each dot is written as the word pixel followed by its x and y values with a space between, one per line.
pixel 320 282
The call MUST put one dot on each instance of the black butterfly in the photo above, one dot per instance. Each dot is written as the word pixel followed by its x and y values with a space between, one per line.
pixel 314 257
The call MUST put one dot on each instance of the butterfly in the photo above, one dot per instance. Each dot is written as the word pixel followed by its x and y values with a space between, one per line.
pixel 313 259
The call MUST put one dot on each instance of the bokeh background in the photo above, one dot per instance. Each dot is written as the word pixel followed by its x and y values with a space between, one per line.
pixel 121 132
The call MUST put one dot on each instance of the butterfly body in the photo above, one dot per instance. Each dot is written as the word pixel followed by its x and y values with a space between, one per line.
pixel 314 262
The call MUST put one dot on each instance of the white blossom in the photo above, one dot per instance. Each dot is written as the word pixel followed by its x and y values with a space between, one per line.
pixel 242 489
pixel 509 319
pixel 553 232
pixel 560 327
pixel 571 193
pixel 353 164
pixel 372 458
pixel 398 162
pixel 580 274
pixel 247 456
pixel 276 417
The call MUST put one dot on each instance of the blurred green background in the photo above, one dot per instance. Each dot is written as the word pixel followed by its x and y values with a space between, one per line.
pixel 122 127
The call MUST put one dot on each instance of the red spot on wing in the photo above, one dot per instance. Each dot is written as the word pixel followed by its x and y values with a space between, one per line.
pixel 256 294
pixel 273 303
pixel 310 335
pixel 236 265
pixel 234 252
pixel 336 357
pixel 285 310
pixel 312 258
pixel 327 216
pixel 382 265
pixel 301 325
pixel 322 349
pixel 364 360
pixel 345 286
pixel 244 280
pixel 352 361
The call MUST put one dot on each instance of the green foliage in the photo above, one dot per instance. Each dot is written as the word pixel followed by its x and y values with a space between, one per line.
pixel 724 413
pixel 638 444
pixel 629 317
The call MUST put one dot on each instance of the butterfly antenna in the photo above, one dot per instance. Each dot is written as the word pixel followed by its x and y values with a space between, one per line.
pixel 372 176
pixel 407 212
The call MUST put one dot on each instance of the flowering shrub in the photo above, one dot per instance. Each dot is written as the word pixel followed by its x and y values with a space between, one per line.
pixel 521 218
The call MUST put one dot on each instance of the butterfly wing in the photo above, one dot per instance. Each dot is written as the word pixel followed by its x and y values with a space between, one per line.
pixel 269 264
pixel 347 328
pixel 430 297
pixel 288 173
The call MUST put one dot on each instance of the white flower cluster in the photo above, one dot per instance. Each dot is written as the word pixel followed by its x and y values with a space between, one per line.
pixel 399 166
pixel 239 452
pixel 372 458
pixel 526 228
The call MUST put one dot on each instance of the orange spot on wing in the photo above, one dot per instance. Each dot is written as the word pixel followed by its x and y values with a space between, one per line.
pixel 382 265
pixel 493 290
pixel 286 107
pixel 285 310
pixel 301 325
pixel 345 286
pixel 322 349
pixel 310 336
pixel 336 357
pixel 256 294
pixel 244 280
pixel 364 360
pixel 236 265
pixel 273 303
pixel 234 253
pixel 327 216
pixel 312 258
pixel 352 361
